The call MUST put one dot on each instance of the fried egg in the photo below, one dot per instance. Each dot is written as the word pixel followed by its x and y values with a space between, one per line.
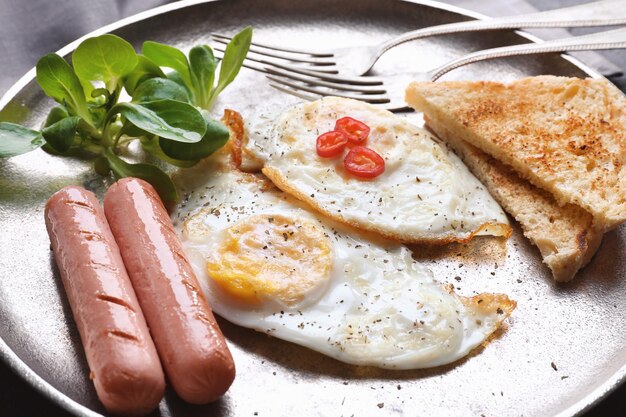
pixel 266 261
pixel 425 195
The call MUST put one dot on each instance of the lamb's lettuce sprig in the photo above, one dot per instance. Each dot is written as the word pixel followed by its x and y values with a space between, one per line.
pixel 167 113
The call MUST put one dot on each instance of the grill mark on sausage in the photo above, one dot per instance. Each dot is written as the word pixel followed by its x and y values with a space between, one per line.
pixel 195 292
pixel 123 335
pixel 200 315
pixel 91 236
pixel 189 285
pixel 115 300
pixel 103 266
pixel 165 224
pixel 180 256
pixel 80 204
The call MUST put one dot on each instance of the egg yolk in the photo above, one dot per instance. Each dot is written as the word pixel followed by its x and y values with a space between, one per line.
pixel 271 257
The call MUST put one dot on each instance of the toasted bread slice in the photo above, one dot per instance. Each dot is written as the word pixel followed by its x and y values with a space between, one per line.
pixel 564 235
pixel 565 135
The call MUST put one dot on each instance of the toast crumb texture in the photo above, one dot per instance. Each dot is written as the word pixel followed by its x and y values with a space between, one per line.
pixel 564 135
pixel 564 235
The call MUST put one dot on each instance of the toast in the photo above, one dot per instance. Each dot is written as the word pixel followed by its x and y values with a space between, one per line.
pixel 564 235
pixel 565 135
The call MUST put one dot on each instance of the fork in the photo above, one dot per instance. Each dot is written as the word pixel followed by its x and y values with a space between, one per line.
pixel 360 59
pixel 388 91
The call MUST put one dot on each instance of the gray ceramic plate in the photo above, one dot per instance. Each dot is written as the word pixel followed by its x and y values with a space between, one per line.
pixel 564 346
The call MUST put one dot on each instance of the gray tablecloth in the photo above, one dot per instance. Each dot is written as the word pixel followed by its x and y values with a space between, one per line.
pixel 32 28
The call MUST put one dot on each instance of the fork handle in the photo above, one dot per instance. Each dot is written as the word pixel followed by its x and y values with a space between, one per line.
pixel 600 13
pixel 612 39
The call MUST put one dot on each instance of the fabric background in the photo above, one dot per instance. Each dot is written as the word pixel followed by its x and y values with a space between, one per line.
pixel 32 28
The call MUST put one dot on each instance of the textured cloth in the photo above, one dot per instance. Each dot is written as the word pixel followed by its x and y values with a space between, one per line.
pixel 30 29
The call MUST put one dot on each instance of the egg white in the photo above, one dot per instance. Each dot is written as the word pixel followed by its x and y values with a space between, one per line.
pixel 379 307
pixel 425 195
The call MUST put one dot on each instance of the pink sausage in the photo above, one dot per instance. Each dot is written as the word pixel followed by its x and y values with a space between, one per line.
pixel 122 358
pixel 191 346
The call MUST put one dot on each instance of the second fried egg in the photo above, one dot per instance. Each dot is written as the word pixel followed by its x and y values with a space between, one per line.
pixel 425 195
pixel 267 262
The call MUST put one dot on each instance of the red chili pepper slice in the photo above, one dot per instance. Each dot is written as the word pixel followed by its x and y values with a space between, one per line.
pixel 364 162
pixel 331 143
pixel 356 130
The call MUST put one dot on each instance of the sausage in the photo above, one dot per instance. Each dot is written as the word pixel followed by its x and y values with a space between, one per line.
pixel 191 346
pixel 123 360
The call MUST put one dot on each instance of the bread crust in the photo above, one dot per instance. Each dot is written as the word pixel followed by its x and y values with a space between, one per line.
pixel 565 135
pixel 564 235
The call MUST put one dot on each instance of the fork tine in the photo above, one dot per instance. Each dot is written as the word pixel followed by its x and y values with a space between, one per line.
pixel 286 55
pixel 373 98
pixel 297 93
pixel 365 89
pixel 226 38
pixel 365 80
pixel 320 72
pixel 269 67
pixel 253 66
pixel 323 73
pixel 322 69
pixel 310 60
pixel 392 107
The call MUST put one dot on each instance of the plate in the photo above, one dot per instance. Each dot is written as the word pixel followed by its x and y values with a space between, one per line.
pixel 563 348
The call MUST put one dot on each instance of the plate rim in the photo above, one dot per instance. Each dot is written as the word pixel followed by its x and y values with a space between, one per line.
pixel 21 369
